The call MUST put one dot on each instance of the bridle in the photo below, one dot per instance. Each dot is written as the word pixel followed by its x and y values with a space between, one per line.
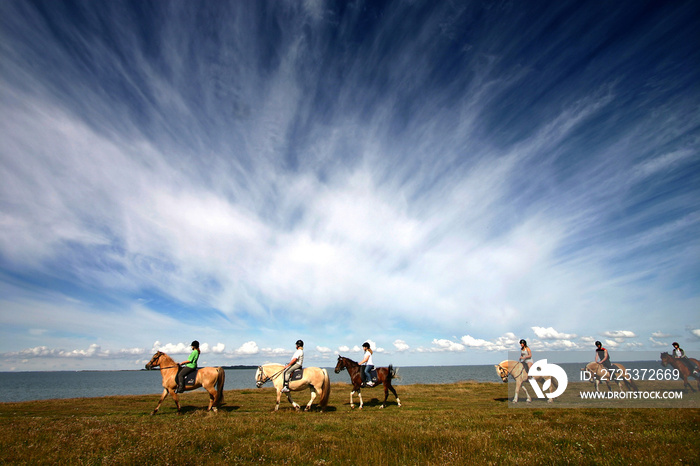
pixel 150 366
pixel 507 372
pixel 260 382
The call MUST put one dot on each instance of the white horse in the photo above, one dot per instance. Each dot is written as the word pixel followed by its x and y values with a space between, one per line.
pixel 516 369
pixel 598 373
pixel 314 378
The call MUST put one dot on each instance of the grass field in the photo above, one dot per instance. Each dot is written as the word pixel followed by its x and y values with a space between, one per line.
pixel 462 423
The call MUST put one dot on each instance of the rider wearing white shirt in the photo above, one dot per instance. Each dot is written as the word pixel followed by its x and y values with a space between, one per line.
pixel 294 364
pixel 368 363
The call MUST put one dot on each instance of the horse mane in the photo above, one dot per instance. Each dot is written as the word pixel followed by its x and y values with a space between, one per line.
pixel 349 360
pixel 166 358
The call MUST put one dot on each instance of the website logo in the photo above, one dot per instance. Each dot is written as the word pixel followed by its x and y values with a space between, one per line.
pixel 549 371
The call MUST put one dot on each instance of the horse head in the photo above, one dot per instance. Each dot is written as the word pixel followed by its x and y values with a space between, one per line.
pixel 259 381
pixel 665 358
pixel 502 372
pixel 341 364
pixel 155 361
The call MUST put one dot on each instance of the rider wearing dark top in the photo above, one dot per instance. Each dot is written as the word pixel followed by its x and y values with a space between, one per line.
pixel 602 356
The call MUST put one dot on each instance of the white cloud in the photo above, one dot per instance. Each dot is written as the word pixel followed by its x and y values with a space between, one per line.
pixel 550 334
pixel 172 348
pixel 660 335
pixel 344 349
pixel 696 332
pixel 617 334
pixel 657 343
pixel 323 349
pixel 247 348
pixel 446 345
pixel 401 345
pixel 472 342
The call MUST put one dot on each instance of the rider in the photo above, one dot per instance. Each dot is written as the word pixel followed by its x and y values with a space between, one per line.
pixel 525 354
pixel 369 365
pixel 188 366
pixel 678 353
pixel 602 356
pixel 294 364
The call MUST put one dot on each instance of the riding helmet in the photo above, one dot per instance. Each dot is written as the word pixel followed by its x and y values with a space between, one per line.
pixel 675 343
pixel 523 342
pixel 365 345
pixel 597 343
pixel 300 343
pixel 195 344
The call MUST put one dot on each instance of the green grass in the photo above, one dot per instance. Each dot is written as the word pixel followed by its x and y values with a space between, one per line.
pixel 460 423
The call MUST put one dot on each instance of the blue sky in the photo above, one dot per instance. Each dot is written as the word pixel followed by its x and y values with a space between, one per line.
pixel 439 178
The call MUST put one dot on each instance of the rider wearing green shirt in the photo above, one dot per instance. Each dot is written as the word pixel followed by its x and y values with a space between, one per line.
pixel 188 366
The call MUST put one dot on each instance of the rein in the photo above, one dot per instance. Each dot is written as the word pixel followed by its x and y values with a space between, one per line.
pixel 268 377
pixel 168 367
pixel 511 371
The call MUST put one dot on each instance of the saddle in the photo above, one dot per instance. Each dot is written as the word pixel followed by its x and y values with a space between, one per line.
pixel 373 376
pixel 191 377
pixel 297 374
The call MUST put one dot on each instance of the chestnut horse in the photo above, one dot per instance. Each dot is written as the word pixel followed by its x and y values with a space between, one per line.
pixel 682 368
pixel 207 377
pixel 313 378
pixel 598 373
pixel 384 376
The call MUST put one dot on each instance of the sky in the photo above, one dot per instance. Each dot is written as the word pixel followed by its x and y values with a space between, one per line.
pixel 440 179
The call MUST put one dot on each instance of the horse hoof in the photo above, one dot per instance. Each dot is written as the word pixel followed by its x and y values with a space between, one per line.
pixel 381 407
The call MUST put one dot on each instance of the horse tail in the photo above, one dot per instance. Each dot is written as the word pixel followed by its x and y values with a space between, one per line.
pixel 325 391
pixel 220 379
pixel 393 373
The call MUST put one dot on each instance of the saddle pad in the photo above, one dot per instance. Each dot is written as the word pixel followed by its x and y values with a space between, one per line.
pixel 297 374
pixel 191 377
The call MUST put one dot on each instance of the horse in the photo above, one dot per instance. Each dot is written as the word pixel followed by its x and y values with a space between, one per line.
pixel 384 376
pixel 682 368
pixel 313 378
pixel 516 369
pixel 211 378
pixel 619 374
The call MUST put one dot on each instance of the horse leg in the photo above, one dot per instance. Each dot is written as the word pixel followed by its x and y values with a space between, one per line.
pixel 398 402
pixel 386 395
pixel 162 397
pixel 359 394
pixel 517 389
pixel 176 399
pixel 212 398
pixel 313 397
pixel 279 395
pixel 296 406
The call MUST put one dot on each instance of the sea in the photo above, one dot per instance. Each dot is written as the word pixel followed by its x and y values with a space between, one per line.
pixel 28 386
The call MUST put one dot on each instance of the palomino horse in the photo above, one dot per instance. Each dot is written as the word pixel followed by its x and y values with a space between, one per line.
pixel 682 368
pixel 314 378
pixel 516 369
pixel 599 373
pixel 211 378
pixel 384 376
